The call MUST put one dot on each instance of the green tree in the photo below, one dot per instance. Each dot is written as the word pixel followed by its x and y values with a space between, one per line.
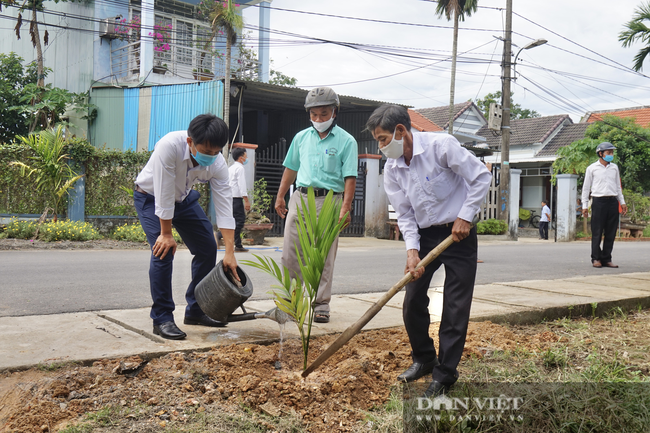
pixel 516 112
pixel 632 152
pixel 14 76
pixel 316 232
pixel 456 10
pixel 248 60
pixel 43 106
pixel 632 149
pixel 49 167
pixel 637 30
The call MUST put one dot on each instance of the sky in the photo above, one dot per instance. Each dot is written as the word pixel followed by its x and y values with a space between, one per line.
pixel 400 52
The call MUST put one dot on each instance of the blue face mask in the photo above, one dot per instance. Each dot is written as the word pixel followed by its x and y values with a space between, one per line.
pixel 204 160
pixel 608 158
pixel 245 162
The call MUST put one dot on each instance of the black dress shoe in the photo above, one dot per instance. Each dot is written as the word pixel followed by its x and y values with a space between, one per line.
pixel 203 321
pixel 436 389
pixel 241 250
pixel 169 330
pixel 417 370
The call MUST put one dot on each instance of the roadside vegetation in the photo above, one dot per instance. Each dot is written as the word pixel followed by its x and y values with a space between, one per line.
pixel 576 374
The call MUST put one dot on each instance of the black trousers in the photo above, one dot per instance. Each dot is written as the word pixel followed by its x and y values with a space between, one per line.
pixel 543 229
pixel 239 213
pixel 460 267
pixel 604 222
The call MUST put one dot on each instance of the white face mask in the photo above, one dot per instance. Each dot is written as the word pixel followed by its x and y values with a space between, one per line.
pixel 323 126
pixel 394 149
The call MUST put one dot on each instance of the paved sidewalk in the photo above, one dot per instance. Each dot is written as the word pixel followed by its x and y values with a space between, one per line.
pixel 82 337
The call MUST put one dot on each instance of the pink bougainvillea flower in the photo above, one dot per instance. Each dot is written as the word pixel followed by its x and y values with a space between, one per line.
pixel 166 47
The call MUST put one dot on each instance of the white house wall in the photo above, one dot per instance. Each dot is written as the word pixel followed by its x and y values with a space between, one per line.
pixel 69 53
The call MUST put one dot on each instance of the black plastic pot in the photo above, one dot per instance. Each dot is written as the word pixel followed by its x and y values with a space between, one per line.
pixel 218 296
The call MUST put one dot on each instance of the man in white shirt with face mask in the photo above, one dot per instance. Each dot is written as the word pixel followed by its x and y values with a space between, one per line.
pixel 436 187
pixel 324 157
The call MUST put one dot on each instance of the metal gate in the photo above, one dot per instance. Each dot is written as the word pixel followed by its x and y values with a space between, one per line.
pixel 268 165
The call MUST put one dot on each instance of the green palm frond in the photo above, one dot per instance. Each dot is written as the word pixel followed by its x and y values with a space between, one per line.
pixel 637 31
pixel 317 231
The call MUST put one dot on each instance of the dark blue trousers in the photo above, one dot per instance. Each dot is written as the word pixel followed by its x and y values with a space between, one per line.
pixel 195 229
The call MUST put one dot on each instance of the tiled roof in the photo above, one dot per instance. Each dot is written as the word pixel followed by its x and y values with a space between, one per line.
pixel 526 131
pixel 421 123
pixel 640 114
pixel 440 115
pixel 567 135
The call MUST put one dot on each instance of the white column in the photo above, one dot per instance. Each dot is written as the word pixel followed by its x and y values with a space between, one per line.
pixel 376 202
pixel 513 224
pixel 264 46
pixel 567 193
pixel 146 41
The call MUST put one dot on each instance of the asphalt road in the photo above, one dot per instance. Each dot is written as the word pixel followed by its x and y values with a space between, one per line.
pixel 57 281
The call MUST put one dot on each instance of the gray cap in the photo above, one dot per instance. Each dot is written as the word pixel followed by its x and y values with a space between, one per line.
pixel 320 97
pixel 605 145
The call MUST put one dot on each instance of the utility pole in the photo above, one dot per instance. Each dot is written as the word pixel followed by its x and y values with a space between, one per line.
pixel 504 186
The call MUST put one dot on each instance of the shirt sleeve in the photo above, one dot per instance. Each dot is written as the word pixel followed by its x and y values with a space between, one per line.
pixel 470 168
pixel 350 159
pixel 163 160
pixel 405 213
pixel 292 160
pixel 222 195
pixel 241 181
pixel 586 187
pixel 619 187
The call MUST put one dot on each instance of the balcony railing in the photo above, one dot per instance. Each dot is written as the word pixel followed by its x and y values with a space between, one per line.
pixel 181 62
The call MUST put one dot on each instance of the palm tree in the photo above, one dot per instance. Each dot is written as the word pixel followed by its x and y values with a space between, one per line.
pixel 224 16
pixel 458 9
pixel 636 30
pixel 50 167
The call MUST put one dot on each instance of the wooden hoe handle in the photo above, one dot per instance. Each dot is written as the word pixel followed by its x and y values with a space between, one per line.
pixel 374 309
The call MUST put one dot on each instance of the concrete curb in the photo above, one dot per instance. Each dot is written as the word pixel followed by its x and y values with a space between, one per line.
pixel 85 337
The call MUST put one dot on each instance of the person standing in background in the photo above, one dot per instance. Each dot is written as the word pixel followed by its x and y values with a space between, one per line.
pixel 240 202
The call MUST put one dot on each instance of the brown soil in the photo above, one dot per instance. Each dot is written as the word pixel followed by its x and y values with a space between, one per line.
pixel 101 244
pixel 334 397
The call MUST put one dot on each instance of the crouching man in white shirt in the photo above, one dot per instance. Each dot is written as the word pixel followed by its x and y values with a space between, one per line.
pixel 436 187
pixel 164 197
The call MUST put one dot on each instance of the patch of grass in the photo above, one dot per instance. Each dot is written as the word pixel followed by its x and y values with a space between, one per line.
pixel 106 416
pixel 555 358
pixel 55 365
pixel 80 428
pixel 387 418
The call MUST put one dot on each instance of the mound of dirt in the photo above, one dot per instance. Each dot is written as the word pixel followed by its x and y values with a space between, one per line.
pixel 334 397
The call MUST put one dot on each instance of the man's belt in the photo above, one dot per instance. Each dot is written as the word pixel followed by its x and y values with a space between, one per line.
pixel 318 192
pixel 137 188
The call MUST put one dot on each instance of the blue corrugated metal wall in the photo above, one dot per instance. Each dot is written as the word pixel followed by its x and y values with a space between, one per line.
pixel 131 107
pixel 173 107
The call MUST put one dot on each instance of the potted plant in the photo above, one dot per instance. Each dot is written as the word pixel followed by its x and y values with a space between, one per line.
pixel 202 74
pixel 129 31
pixel 524 215
pixel 257 223
pixel 161 38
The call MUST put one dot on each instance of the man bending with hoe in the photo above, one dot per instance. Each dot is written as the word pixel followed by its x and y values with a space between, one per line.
pixel 436 187
pixel 164 197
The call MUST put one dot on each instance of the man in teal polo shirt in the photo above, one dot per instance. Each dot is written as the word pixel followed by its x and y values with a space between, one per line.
pixel 324 157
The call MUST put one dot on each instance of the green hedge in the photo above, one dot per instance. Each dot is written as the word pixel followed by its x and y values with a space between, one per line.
pixel 17 193
pixel 108 174
pixel 491 227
